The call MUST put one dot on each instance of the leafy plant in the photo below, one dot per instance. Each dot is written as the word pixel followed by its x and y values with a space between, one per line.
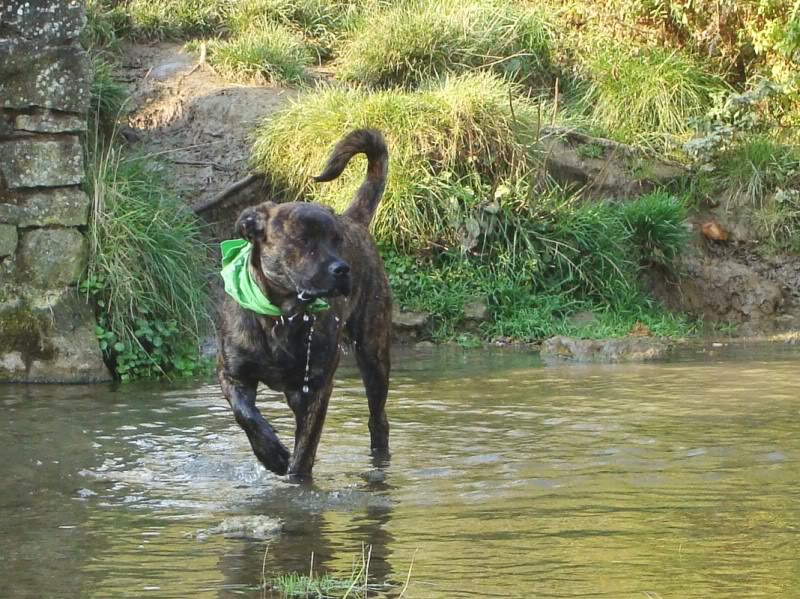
pixel 462 125
pixel 646 95
pixel 416 40
pixel 267 53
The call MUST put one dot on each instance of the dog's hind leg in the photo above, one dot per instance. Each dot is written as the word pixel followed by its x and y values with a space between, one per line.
pixel 265 443
pixel 309 413
pixel 374 363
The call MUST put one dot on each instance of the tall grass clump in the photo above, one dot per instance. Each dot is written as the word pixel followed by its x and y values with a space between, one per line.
pixel 645 96
pixel 462 125
pixel 267 53
pixel 148 268
pixel 319 22
pixel 108 96
pixel 416 40
pixel 536 257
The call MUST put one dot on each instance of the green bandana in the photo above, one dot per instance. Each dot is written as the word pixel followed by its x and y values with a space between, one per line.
pixel 239 284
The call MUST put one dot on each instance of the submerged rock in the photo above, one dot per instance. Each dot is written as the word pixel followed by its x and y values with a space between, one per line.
pixel 244 527
pixel 629 349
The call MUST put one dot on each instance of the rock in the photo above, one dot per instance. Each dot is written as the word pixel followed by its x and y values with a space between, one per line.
pixel 424 345
pixel 476 311
pixel 410 320
pixel 50 122
pixel 8 240
pixel 245 527
pixel 51 258
pixel 603 167
pixel 34 163
pixel 167 70
pixel 65 206
pixel 57 77
pixel 374 476
pixel 44 21
pixel 49 338
pixel 629 349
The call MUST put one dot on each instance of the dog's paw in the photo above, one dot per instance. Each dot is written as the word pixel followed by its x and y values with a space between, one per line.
pixel 275 458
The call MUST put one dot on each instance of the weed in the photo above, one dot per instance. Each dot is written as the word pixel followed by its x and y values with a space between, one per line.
pixel 462 125
pixel 648 95
pixel 148 269
pixel 268 53
pixel 320 22
pixel 590 150
pixel 656 226
pixel 108 96
pixel 416 40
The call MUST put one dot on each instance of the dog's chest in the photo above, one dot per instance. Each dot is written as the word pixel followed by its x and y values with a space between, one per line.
pixel 299 355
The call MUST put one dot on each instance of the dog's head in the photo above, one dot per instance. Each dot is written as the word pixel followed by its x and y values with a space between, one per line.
pixel 298 248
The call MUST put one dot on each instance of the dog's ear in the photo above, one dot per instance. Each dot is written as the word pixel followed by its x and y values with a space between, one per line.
pixel 253 222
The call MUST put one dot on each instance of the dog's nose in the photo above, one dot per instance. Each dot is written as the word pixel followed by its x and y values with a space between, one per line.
pixel 339 268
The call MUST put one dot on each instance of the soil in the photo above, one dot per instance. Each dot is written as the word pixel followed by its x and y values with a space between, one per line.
pixel 185 114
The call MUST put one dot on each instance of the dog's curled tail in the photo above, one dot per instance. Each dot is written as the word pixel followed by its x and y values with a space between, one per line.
pixel 371 143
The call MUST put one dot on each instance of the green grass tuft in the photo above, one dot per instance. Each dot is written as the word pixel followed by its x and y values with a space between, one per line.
pixel 459 126
pixel 267 53
pixel 319 22
pixel 648 96
pixel 148 269
pixel 108 96
pixel 416 40
pixel 657 229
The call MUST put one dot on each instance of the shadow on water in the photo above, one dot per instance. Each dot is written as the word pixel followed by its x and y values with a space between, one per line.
pixel 509 478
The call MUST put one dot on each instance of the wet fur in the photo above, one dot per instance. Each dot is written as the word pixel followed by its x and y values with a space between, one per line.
pixel 294 246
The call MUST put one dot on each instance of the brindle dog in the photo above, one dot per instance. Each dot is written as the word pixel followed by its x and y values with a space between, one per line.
pixel 303 251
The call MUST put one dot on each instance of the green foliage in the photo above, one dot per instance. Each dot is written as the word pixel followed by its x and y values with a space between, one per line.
pixel 536 258
pixel 458 126
pixel 171 19
pixel 148 269
pixel 320 22
pixel 108 95
pixel 416 40
pixel 656 226
pixel 268 53
pixel 648 95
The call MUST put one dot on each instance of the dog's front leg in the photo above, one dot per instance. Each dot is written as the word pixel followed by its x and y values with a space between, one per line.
pixel 309 410
pixel 265 443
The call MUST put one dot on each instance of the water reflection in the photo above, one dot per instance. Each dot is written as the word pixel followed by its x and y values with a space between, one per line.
pixel 507 478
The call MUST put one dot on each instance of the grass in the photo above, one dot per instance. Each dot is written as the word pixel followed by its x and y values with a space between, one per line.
pixel 761 178
pixel 325 586
pixel 108 96
pixel 540 258
pixel 416 40
pixel 646 96
pixel 462 125
pixel 319 22
pixel 267 53
pixel 148 268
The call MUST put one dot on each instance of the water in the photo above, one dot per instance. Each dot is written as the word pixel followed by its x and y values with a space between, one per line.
pixel 508 479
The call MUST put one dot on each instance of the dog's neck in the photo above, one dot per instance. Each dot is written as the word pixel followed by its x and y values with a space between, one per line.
pixel 286 301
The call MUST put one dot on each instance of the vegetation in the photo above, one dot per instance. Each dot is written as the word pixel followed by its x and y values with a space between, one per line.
pixel 148 269
pixel 645 96
pixel 355 586
pixel 455 127
pixel 149 262
pixel 267 53
pixel 461 90
pixel 417 40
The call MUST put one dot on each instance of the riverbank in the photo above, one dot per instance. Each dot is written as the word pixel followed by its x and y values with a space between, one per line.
pixel 536 225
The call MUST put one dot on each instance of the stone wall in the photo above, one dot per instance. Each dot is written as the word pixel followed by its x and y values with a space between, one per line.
pixel 46 329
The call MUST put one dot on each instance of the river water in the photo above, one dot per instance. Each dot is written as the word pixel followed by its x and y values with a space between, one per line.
pixel 508 478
